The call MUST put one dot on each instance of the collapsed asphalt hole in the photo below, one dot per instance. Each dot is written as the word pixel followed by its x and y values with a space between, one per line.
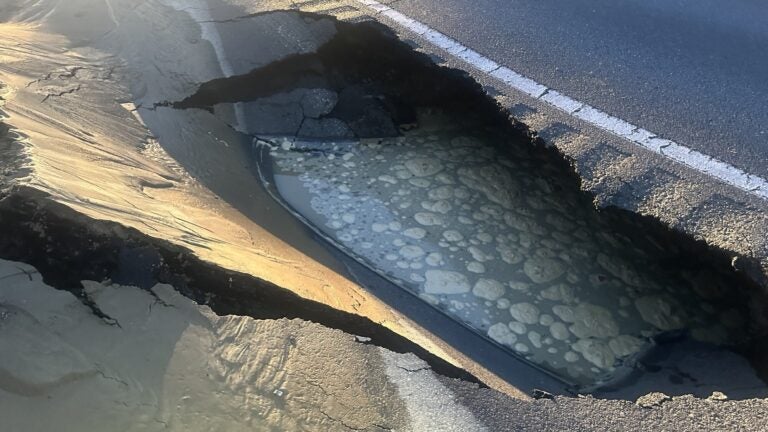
pixel 412 170
pixel 67 248
pixel 363 83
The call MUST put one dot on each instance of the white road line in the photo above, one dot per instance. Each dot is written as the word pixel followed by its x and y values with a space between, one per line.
pixel 701 162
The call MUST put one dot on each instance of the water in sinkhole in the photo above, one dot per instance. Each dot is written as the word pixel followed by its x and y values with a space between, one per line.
pixel 494 241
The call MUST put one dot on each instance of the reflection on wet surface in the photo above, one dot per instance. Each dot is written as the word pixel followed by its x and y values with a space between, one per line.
pixel 497 242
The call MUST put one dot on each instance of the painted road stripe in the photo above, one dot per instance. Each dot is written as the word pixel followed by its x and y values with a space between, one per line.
pixel 679 153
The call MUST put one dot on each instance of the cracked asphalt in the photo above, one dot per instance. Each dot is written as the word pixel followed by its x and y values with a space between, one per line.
pixel 691 71
pixel 612 169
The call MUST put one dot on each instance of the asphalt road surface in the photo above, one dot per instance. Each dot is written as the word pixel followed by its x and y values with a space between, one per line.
pixel 692 71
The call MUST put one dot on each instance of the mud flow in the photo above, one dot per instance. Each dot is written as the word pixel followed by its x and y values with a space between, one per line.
pixel 412 170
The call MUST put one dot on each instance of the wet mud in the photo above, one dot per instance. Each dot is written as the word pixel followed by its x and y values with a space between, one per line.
pixel 67 248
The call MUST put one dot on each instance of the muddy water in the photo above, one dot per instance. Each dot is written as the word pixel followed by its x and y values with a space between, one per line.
pixel 494 240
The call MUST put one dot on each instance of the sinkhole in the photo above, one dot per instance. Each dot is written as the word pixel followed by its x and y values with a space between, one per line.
pixel 412 170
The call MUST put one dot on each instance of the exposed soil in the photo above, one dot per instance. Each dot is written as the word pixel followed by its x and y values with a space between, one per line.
pixel 67 247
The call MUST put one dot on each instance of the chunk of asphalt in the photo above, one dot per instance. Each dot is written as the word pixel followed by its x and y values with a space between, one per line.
pixel 541 394
pixel 652 400
pixel 325 127
pixel 318 102
pixel 718 397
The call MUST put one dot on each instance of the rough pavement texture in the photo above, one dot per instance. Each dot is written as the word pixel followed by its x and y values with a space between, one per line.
pixel 585 413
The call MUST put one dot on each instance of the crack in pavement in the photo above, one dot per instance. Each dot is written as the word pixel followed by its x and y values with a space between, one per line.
pixel 62 93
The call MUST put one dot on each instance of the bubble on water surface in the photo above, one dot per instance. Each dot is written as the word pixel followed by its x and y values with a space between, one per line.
pixel 486 239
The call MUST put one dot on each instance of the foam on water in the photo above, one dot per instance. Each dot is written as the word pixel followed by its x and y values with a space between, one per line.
pixel 487 240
